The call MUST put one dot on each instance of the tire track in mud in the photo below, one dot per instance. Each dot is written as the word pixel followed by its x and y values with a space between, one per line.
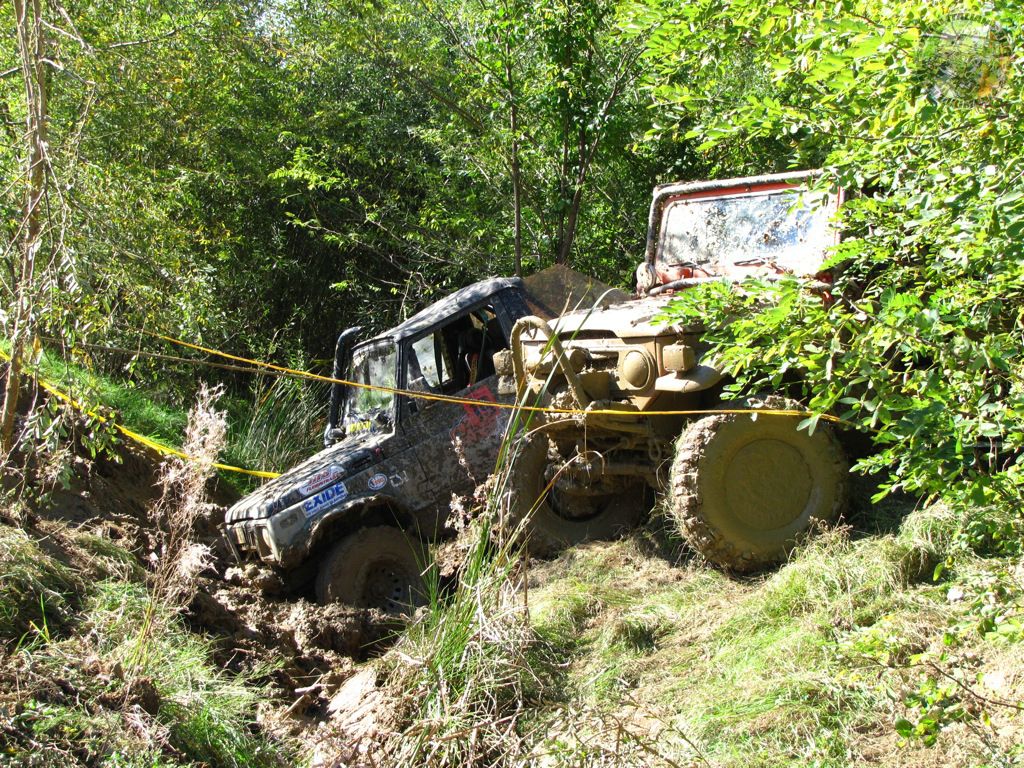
pixel 308 653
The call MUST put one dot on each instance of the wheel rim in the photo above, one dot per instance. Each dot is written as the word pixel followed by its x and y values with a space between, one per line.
pixel 581 505
pixel 768 484
pixel 389 587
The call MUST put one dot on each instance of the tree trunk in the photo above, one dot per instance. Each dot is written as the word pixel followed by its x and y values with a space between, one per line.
pixel 572 215
pixel 569 230
pixel 517 187
pixel 29 30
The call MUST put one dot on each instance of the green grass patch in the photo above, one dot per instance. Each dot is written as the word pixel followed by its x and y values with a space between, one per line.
pixel 812 664
pixel 36 591
pixel 209 713
pixel 278 424
pixel 101 691
pixel 139 410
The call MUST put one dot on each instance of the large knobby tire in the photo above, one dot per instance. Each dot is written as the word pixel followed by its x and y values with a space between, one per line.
pixel 379 567
pixel 745 490
pixel 556 519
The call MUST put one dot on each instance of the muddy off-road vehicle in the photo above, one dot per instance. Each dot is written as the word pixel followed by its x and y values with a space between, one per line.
pixel 743 487
pixel 355 516
pixel 358 511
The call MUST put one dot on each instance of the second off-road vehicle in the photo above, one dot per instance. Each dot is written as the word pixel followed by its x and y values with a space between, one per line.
pixel 642 405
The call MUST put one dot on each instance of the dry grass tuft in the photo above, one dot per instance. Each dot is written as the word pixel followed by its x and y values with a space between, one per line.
pixel 179 559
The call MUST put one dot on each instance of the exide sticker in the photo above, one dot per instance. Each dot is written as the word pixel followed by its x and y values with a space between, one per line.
pixel 321 479
pixel 377 482
pixel 325 498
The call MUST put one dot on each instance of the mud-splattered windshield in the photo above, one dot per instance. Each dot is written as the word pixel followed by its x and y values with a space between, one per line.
pixel 780 228
pixel 371 409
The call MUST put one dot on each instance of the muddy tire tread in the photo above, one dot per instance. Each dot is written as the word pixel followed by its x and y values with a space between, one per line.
pixel 342 573
pixel 686 502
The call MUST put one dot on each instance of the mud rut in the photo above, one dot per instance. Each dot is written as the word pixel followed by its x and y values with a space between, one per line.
pixel 306 652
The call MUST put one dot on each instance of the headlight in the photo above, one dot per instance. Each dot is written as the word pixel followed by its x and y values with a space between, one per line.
pixel 636 369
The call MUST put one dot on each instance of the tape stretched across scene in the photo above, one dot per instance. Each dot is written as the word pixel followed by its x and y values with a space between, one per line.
pixel 492 404
pixel 131 434
pixel 169 451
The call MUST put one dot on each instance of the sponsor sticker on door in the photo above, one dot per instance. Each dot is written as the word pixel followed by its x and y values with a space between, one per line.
pixel 377 482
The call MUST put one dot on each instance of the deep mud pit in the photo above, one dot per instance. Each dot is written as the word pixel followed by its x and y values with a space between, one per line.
pixel 307 652
pixel 313 646
pixel 322 697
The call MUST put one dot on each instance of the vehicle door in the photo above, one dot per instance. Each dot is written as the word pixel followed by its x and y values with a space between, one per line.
pixel 457 442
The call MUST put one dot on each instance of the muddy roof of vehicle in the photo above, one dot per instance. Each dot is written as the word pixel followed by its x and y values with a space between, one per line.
pixel 686 187
pixel 451 305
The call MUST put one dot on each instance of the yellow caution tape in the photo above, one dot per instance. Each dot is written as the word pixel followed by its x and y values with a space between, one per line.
pixel 131 435
pixel 490 403
pixel 168 451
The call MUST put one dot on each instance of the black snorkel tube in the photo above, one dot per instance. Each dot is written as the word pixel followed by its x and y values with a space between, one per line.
pixel 342 356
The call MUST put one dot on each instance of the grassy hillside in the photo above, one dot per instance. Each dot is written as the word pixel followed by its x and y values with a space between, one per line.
pixel 851 654
pixel 896 639
pixel 275 426
pixel 85 683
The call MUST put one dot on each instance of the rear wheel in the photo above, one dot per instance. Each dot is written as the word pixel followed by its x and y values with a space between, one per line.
pixel 745 490
pixel 378 567
pixel 562 513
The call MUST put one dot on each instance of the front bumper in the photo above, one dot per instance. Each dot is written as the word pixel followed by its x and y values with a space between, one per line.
pixel 279 540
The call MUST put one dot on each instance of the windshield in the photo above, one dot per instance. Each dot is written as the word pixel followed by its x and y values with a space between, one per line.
pixel 371 409
pixel 780 228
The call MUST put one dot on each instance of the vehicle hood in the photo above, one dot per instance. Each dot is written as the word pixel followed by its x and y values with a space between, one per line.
pixel 330 466
pixel 632 319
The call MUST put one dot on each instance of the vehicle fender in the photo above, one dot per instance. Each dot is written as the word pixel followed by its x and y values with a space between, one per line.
pixel 352 514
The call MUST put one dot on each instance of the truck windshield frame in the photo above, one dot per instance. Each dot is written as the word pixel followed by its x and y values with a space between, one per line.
pixel 788 228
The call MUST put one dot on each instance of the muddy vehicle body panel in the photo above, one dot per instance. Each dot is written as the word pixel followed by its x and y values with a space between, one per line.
pixel 626 360
pixel 395 459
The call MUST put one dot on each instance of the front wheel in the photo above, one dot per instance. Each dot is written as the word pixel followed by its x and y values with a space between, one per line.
pixel 558 514
pixel 378 567
pixel 744 490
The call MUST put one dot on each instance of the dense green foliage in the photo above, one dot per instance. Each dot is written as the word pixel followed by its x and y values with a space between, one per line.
pixel 258 175
pixel 917 109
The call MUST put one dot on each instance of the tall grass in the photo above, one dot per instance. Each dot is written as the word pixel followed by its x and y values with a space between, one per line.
pixel 73 689
pixel 464 669
pixel 208 714
pixel 36 591
pixel 279 426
